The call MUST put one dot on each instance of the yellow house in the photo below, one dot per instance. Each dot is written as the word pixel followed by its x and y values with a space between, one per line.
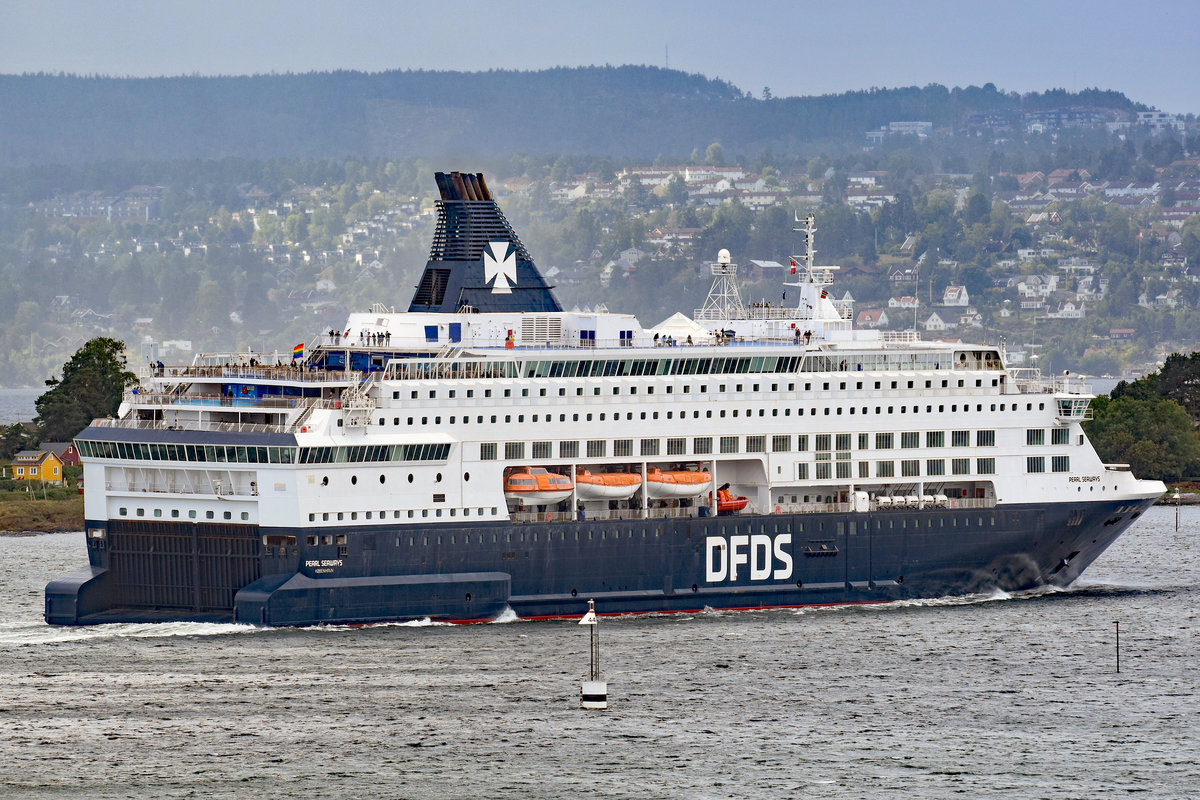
pixel 37 465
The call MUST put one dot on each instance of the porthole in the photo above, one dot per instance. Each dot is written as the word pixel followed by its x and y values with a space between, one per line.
pixel 466 476
pixel 438 479
pixel 410 477
pixel 353 480
pixel 325 480
pixel 382 478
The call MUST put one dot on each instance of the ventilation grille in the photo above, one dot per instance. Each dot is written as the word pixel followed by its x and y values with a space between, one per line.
pixel 540 330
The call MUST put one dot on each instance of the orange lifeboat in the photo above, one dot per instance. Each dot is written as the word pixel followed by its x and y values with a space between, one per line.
pixel 606 485
pixel 537 486
pixel 727 503
pixel 674 484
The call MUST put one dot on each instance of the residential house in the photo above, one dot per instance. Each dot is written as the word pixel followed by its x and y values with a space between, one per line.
pixel 37 465
pixel 934 323
pixel 1068 310
pixel 955 296
pixel 65 451
pixel 903 274
pixel 907 301
pixel 872 319
pixel 1120 334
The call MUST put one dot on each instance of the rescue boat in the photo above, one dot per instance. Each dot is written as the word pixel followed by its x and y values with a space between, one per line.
pixel 606 485
pixel 727 503
pixel 675 484
pixel 536 485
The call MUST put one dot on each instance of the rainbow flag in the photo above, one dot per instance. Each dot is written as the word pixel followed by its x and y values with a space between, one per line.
pixel 298 351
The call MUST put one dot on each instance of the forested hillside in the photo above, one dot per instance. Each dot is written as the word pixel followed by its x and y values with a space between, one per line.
pixel 618 112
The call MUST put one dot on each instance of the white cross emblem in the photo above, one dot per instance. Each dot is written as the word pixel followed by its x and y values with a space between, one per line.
pixel 503 270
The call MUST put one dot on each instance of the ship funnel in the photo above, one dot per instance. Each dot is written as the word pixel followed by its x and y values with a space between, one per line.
pixel 477 262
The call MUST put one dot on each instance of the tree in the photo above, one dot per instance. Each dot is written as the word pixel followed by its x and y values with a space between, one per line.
pixel 13 439
pixel 91 386
pixel 1155 436
pixel 714 156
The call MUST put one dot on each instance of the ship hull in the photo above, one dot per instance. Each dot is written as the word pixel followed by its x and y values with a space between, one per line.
pixel 470 572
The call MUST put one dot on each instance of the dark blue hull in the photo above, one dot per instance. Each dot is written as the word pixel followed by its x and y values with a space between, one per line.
pixel 156 571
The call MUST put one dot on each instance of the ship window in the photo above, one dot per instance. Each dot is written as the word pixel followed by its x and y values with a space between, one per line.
pixel 935 466
pixel 1035 436
pixel 729 444
pixel 960 466
pixel 124 512
pixel 702 445
pixel 649 447
pixel 910 468
pixel 935 438
pixel 676 447
pixel 623 447
pixel 192 514
pixel 245 515
pixel 885 469
pixel 208 515
pixel 985 438
pixel 985 466
pixel 596 448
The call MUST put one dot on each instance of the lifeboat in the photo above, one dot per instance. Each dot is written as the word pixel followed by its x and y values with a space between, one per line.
pixel 606 485
pixel 674 484
pixel 537 486
pixel 727 503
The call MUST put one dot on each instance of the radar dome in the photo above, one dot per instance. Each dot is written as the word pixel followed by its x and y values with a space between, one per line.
pixel 722 256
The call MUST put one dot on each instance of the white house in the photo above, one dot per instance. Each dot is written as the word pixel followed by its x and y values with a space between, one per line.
pixel 956 296
pixel 934 323
pixel 903 302
pixel 872 319
pixel 1068 310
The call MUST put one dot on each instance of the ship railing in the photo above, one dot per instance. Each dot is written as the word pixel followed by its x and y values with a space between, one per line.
pixel 1032 381
pixel 172 399
pixel 630 514
pixel 221 490
pixel 189 425
pixel 971 502
pixel 898 337
pixel 290 374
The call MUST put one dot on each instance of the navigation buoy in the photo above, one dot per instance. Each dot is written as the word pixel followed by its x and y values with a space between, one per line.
pixel 593 694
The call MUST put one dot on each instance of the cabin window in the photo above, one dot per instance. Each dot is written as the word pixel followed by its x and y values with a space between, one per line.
pixel 702 445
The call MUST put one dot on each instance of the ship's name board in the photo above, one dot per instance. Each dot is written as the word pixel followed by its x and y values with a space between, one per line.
pixel 1084 479
pixel 323 565
pixel 761 557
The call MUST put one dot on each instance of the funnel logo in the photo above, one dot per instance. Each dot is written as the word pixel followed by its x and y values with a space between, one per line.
pixel 503 269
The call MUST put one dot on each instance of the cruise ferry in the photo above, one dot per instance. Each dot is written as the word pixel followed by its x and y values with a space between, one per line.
pixel 486 450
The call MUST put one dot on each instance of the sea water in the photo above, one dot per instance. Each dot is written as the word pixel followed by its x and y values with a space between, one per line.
pixel 993 696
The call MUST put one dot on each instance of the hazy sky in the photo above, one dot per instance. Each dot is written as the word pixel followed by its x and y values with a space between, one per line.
pixel 1150 51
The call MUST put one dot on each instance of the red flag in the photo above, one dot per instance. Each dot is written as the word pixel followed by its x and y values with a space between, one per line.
pixel 793 265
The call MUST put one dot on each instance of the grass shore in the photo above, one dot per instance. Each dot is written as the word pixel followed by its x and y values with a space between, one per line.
pixel 23 514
